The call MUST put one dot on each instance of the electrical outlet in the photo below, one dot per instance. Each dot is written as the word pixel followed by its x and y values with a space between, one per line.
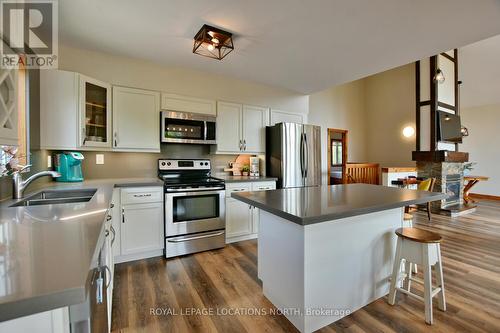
pixel 99 158
pixel 49 161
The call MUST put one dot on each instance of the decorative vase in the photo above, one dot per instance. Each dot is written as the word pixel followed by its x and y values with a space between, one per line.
pixel 245 173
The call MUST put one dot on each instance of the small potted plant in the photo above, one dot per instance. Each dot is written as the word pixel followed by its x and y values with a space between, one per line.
pixel 245 170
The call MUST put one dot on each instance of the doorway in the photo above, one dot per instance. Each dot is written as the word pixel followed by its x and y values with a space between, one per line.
pixel 337 156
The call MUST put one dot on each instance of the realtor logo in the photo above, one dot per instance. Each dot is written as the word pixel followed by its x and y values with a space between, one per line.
pixel 29 33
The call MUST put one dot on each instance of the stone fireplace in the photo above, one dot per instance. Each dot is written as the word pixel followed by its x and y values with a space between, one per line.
pixel 449 179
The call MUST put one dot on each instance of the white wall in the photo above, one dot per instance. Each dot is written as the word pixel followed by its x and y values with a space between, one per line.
pixel 483 123
pixel 340 107
pixel 142 74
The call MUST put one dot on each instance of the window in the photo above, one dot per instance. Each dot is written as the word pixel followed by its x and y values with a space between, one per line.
pixel 22 125
pixel 336 152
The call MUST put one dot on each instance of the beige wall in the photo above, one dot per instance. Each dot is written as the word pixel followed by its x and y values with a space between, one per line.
pixel 137 73
pixel 374 110
pixel 341 107
pixel 482 145
pixel 389 107
pixel 141 74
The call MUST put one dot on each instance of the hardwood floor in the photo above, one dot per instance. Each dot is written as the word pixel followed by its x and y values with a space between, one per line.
pixel 203 292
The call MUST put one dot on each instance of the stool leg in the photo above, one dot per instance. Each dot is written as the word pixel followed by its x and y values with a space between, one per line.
pixel 440 281
pixel 427 284
pixel 395 273
pixel 408 269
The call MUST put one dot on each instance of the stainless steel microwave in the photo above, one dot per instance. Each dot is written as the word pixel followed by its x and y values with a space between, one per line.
pixel 185 127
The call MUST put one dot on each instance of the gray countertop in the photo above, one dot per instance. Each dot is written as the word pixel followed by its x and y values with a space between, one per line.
pixel 308 205
pixel 47 252
pixel 242 179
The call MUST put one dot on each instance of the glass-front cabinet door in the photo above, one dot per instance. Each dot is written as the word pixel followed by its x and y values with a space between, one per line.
pixel 95 113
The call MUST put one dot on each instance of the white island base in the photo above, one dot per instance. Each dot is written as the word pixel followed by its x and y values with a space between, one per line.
pixel 318 273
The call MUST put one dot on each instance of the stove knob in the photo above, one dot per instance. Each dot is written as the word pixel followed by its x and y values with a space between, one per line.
pixel 206 163
pixel 162 163
pixel 169 164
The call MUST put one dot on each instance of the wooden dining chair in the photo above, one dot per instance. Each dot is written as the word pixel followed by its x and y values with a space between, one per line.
pixel 427 185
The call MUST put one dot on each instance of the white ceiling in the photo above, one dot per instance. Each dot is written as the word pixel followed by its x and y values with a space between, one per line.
pixel 479 68
pixel 304 46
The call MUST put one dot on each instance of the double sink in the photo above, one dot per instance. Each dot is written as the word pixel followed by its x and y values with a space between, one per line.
pixel 52 197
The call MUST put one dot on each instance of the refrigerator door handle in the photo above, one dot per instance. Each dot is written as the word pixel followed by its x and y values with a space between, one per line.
pixel 306 157
pixel 302 154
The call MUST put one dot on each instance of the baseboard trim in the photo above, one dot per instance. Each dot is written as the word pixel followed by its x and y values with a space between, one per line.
pixel 485 196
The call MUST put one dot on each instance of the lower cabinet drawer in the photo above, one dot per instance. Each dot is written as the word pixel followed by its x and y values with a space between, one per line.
pixel 138 195
pixel 264 186
pixel 237 187
pixel 177 246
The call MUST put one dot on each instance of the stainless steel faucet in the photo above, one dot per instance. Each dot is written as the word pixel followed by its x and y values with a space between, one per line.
pixel 19 185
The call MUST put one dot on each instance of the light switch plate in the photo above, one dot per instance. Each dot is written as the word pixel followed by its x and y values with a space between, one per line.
pixel 99 158
pixel 49 161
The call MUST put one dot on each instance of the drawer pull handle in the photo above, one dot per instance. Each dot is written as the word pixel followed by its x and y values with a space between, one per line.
pixel 179 240
pixel 142 195
pixel 108 218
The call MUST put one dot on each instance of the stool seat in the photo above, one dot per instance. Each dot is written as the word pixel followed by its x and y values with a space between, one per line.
pixel 408 217
pixel 418 235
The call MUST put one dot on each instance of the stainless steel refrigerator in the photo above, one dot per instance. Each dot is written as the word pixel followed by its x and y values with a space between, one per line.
pixel 293 154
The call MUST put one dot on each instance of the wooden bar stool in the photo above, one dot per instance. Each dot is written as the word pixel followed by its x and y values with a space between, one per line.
pixel 423 248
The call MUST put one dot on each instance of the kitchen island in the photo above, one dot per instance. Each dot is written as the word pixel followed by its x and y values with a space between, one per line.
pixel 324 252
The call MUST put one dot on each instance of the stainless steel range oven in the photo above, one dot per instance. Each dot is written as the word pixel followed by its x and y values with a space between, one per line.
pixel 194 207
pixel 184 127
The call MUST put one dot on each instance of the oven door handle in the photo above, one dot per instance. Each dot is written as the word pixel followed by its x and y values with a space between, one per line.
pixel 195 189
pixel 220 233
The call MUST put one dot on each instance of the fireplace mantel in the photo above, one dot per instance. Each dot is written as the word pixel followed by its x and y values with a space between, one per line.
pixel 440 156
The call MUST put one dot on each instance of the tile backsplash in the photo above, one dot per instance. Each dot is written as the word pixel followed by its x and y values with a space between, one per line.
pixel 140 165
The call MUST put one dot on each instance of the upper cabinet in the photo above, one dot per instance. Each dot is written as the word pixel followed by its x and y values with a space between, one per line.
pixel 241 128
pixel 95 113
pixel 253 125
pixel 76 113
pixel 8 106
pixel 136 120
pixel 173 102
pixel 59 104
pixel 278 116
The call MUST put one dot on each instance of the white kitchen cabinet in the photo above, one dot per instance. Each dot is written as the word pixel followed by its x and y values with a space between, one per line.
pixel 95 113
pixel 174 102
pixel 136 120
pixel 59 104
pixel 110 238
pixel 242 220
pixel 116 222
pixel 228 132
pixel 238 218
pixel 278 116
pixel 75 112
pixel 253 124
pixel 241 128
pixel 8 106
pixel 141 227
pixel 259 186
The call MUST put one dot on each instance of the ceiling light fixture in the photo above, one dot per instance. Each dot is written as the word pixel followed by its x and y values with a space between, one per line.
pixel 439 76
pixel 213 42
